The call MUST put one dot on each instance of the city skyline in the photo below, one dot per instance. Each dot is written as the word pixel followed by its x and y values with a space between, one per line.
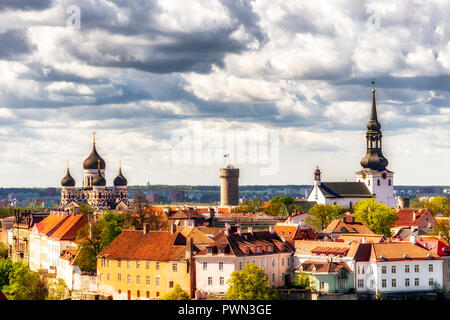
pixel 136 76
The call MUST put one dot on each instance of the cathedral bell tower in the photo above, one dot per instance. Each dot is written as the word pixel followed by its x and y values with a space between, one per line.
pixel 378 179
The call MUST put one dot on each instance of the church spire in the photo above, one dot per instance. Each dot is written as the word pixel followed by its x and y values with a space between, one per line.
pixel 374 158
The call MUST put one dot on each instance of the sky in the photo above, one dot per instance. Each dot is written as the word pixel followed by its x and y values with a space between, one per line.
pixel 170 87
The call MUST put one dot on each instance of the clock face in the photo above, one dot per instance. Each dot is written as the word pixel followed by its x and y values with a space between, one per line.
pixel 384 175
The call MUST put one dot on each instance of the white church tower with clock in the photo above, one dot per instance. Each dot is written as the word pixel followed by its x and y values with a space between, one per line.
pixel 378 179
pixel 373 181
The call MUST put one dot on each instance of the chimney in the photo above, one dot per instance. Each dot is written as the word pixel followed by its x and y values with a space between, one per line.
pixel 272 229
pixel 239 230
pixel 189 248
pixel 363 240
pixel 414 215
pixel 146 228
pixel 412 238
pixel 250 230
pixel 173 228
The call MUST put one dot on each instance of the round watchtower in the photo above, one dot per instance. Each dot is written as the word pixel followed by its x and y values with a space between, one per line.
pixel 229 186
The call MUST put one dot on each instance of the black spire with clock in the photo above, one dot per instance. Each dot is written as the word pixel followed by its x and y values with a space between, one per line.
pixel 374 158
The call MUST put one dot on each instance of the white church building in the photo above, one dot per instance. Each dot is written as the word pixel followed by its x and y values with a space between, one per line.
pixel 374 180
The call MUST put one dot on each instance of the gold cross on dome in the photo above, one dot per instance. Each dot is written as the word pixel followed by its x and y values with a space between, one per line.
pixel 93 134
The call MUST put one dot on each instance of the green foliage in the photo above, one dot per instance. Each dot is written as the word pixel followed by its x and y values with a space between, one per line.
pixel 3 250
pixel 250 284
pixel 323 214
pixel 57 290
pixel 250 206
pixel 442 229
pixel 376 216
pixel 435 205
pixel 176 294
pixel 303 280
pixel 85 208
pixel 97 236
pixel 280 206
pixel 20 283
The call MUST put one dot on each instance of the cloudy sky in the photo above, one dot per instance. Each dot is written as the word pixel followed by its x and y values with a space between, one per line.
pixel 164 83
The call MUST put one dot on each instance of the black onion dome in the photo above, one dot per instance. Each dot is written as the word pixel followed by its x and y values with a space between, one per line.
pixel 99 180
pixel 120 180
pixel 91 161
pixel 68 181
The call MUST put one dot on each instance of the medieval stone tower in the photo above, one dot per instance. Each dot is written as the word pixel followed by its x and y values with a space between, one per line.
pixel 229 186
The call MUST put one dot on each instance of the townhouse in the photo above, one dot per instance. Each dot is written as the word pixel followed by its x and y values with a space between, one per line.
pixel 144 264
pixel 50 237
pixel 232 249
pixel 396 267
pixel 345 225
pixel 442 249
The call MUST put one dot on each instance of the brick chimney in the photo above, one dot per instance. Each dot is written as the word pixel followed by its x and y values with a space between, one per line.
pixel 189 248
pixel 146 228
pixel 414 215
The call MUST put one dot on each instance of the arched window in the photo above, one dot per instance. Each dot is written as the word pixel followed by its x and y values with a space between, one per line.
pixel 378 182
pixel 389 182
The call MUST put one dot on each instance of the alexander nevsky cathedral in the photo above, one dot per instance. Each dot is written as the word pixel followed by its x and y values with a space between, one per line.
pixel 94 190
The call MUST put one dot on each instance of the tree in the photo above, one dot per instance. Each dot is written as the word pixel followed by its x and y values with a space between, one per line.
pixel 85 208
pixel 303 280
pixel 250 284
pixel 140 205
pixel 376 216
pixel 442 229
pixel 280 206
pixel 323 214
pixel 22 283
pixel 435 205
pixel 176 294
pixel 3 250
pixel 250 206
pixel 6 268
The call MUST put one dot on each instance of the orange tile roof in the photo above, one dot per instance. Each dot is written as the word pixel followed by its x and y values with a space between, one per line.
pixel 48 225
pixel 68 230
pixel 154 245
pixel 345 226
pixel 359 237
pixel 328 247
pixel 396 250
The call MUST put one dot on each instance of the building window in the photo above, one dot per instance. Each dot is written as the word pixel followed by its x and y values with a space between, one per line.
pixel 108 277
pixel 147 264
pixel 138 293
pixel 157 265
pixel 407 268
pixel 360 283
pixel 383 269
pixel 372 282
pixel 321 285
pixel 273 262
pixel 170 284
pixel 222 281
pixel 157 293
pixel 147 280
pixel 282 262
pixel 416 282
pixel 240 265
pixel 220 265
pixel 205 266
pixel 273 277
pixel 138 279
pixel 147 294
pixel 157 281
pixel 128 264
pixel 448 276
pixel 119 277
pixel 128 279
pixel 407 282
pixel 209 281
pixel 416 268
pixel 394 269
pixel 383 283
pixel 342 284
pixel 107 263
pixel 119 263
pixel 394 283
pixel 378 182
pixel 390 182
pixel 137 264
pixel 174 267
pixel 430 268
pixel 363 269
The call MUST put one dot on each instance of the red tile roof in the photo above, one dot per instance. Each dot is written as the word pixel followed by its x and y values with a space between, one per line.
pixel 154 245
pixel 435 245
pixel 347 225
pixel 68 230
pixel 422 218
pixel 395 251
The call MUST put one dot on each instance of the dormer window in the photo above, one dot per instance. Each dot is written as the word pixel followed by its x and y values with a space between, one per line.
pixel 221 251
pixel 209 250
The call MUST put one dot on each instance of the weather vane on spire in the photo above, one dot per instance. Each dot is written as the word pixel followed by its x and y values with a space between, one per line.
pixel 373 85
